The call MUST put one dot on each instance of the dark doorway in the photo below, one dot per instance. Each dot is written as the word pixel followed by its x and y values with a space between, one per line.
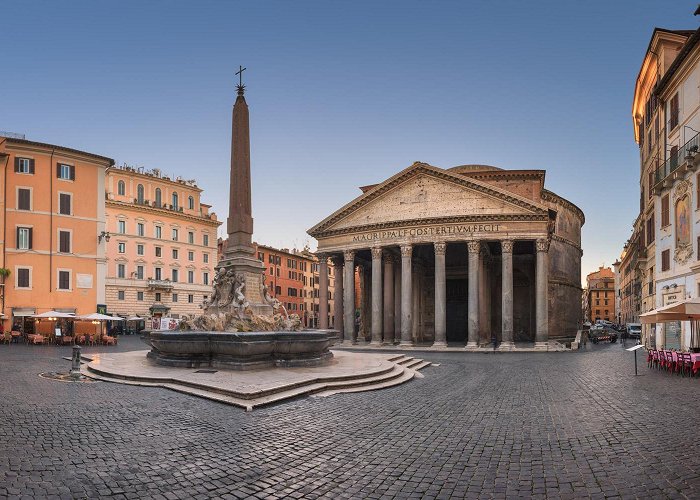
pixel 457 310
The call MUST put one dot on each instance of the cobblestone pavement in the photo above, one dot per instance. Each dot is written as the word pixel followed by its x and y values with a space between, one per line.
pixel 559 425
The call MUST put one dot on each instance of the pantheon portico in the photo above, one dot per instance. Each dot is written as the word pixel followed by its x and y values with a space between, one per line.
pixel 453 256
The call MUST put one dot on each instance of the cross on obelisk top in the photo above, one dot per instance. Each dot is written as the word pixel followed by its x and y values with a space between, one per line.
pixel 240 85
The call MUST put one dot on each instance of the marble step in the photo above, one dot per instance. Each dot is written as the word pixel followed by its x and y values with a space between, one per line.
pixel 406 375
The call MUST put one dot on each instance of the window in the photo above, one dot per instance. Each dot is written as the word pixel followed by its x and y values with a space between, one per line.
pixel 139 193
pixel 121 227
pixel 190 276
pixel 606 302
pixel 23 277
pixel 650 184
pixel 64 203
pixel 121 270
pixel 139 249
pixel 159 273
pixel 205 257
pixel 121 188
pixel 665 214
pixel 24 238
pixel 174 234
pixel 190 237
pixel 140 229
pixel 665 260
pixel 157 296
pixel 175 297
pixel 65 172
pixel 205 278
pixel 120 295
pixel 650 230
pixel 64 280
pixel 24 199
pixel 139 296
pixel 190 298
pixel 121 247
pixel 159 251
pixel 24 165
pixel 673 112
pixel 174 201
pixel 261 256
pixel 205 240
pixel 597 302
pixel 64 241
pixel 190 256
pixel 190 203
pixel 175 253
pixel 158 232
pixel 139 272
pixel 174 275
pixel 698 247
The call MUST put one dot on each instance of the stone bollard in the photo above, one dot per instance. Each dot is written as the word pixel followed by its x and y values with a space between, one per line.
pixel 75 362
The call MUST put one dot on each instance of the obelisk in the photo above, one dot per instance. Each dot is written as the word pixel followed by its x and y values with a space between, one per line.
pixel 239 252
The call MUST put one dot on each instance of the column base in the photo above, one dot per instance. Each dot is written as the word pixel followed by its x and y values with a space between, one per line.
pixel 376 343
pixel 472 346
pixel 348 342
pixel 541 346
pixel 405 343
pixel 439 343
pixel 506 346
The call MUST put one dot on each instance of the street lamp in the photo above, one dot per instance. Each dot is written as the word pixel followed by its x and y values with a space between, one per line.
pixel 103 235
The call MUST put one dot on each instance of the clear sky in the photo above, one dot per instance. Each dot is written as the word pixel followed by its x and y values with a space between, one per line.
pixel 343 95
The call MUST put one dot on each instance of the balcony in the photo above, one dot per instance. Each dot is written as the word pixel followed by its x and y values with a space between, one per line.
pixel 160 284
pixel 673 169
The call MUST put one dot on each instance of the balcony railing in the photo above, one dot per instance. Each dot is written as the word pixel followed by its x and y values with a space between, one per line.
pixel 160 284
pixel 684 154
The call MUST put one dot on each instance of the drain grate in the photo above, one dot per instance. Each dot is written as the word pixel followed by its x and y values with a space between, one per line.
pixel 206 371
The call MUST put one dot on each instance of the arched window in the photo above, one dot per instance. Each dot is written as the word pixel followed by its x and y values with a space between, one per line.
pixel 158 197
pixel 191 202
pixel 174 200
pixel 139 193
pixel 121 188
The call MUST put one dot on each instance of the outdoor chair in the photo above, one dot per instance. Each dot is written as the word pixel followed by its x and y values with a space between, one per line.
pixel 670 363
pixel 686 363
pixel 38 339
pixel 650 358
pixel 16 336
pixel 7 337
pixel 67 340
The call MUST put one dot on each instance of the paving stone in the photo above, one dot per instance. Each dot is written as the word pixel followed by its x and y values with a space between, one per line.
pixel 515 425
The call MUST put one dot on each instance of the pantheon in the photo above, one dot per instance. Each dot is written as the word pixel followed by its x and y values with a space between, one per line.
pixel 457 256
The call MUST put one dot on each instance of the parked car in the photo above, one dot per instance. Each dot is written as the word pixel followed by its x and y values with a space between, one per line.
pixel 634 330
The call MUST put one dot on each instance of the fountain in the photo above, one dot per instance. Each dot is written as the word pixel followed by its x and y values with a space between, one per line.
pixel 242 326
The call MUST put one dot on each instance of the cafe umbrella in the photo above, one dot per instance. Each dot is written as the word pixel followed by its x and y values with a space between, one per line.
pixel 684 310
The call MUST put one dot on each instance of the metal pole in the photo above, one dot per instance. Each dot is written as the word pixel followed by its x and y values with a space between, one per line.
pixel 635 363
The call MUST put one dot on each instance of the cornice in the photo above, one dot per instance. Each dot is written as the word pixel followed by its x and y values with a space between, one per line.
pixel 160 211
pixel 432 221
pixel 548 195
pixel 566 241
pixel 152 178
pixel 423 168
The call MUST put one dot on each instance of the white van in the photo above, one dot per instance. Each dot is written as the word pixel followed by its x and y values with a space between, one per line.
pixel 634 330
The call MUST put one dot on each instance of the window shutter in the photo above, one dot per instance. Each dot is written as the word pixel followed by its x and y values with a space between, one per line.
pixel 58 170
pixel 16 164
pixel 31 166
pixel 17 238
pixel 72 172
pixel 31 230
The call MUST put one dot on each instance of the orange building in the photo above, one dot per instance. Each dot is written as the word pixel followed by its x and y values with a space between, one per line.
pixel 52 214
pixel 601 295
pixel 161 244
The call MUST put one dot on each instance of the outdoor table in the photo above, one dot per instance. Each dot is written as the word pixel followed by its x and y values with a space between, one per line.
pixel 695 357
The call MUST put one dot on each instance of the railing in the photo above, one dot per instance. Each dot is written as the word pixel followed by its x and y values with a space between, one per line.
pixel 162 284
pixel 689 149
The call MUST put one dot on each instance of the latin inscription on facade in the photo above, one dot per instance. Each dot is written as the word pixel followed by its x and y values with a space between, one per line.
pixel 464 229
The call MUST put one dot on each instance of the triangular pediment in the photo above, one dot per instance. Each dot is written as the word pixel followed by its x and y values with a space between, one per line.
pixel 426 192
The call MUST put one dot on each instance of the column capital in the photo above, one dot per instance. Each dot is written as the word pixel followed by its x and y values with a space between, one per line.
pixel 389 257
pixel 406 250
pixel 349 255
pixel 440 247
pixel 474 246
pixel 542 245
pixel 507 246
pixel 337 260
pixel 376 253
pixel 322 256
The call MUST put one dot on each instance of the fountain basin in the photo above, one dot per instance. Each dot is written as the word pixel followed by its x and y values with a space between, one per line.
pixel 240 350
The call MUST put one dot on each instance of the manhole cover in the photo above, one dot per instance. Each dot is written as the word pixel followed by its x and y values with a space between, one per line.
pixel 206 371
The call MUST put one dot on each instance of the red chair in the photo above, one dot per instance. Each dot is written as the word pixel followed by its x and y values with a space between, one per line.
pixel 685 362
